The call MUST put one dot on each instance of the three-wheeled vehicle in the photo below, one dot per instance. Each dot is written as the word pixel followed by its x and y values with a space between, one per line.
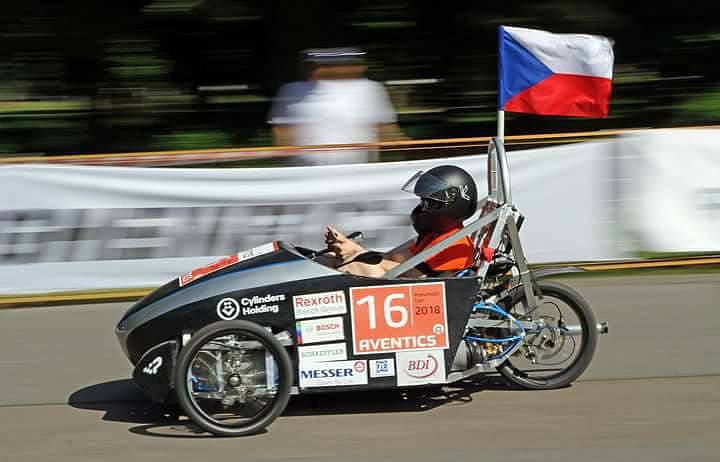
pixel 230 342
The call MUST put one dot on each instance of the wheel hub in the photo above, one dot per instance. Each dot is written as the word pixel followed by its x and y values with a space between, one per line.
pixel 234 380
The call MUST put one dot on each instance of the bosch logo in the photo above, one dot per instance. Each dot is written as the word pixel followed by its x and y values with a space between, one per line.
pixel 331 326
pixel 422 368
pixel 228 309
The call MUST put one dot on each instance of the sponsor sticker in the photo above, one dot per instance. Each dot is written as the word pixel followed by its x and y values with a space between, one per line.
pixel 420 367
pixel 197 273
pixel 333 374
pixel 260 304
pixel 320 330
pixel 319 304
pixel 403 317
pixel 382 367
pixel 153 366
pixel 321 353
pixel 228 309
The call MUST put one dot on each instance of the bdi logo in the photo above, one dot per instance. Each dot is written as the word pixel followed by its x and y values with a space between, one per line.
pixel 421 367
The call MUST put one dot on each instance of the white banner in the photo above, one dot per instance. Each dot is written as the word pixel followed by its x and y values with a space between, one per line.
pixel 81 227
pixel 670 190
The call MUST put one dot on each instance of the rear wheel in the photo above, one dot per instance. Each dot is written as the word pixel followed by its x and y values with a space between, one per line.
pixel 556 354
pixel 233 378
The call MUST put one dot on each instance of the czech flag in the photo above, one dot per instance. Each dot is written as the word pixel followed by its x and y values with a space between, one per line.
pixel 555 74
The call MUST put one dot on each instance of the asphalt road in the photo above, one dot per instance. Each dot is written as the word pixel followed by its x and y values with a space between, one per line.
pixel 652 393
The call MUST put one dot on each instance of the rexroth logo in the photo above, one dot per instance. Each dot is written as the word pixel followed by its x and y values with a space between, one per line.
pixel 319 304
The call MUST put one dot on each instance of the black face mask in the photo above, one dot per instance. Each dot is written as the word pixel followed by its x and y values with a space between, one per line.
pixel 431 221
pixel 422 221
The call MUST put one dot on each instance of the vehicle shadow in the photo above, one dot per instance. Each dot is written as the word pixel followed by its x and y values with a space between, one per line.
pixel 123 401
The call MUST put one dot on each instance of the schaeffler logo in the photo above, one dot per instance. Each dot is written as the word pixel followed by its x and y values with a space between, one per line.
pixel 228 309
pixel 422 368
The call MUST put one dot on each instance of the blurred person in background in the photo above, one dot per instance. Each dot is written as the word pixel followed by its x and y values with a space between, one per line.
pixel 335 105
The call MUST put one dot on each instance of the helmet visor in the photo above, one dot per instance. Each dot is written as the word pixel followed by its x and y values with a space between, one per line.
pixel 427 186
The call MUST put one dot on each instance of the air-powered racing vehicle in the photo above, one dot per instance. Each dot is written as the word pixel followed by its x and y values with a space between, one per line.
pixel 230 342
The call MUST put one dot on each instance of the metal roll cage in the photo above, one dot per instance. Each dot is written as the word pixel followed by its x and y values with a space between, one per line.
pixel 495 228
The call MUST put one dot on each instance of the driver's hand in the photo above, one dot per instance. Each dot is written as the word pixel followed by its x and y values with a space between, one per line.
pixel 343 248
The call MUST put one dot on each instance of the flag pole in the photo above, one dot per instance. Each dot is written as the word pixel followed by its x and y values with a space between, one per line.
pixel 501 126
pixel 501 109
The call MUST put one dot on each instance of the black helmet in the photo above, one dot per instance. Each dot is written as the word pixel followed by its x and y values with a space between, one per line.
pixel 448 196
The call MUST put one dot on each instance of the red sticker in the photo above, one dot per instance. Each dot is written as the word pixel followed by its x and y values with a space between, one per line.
pixel 207 269
pixel 403 317
pixel 197 273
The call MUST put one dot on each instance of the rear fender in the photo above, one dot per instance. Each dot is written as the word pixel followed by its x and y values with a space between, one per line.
pixel 547 272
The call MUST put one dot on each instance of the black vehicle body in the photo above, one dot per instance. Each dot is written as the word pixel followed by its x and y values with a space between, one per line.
pixel 155 324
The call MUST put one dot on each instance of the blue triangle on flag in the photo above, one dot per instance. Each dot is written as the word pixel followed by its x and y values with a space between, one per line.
pixel 519 69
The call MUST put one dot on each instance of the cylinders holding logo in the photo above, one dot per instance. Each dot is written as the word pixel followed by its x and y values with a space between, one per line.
pixel 228 309
pixel 261 304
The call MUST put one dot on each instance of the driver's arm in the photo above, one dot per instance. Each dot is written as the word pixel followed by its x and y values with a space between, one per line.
pixel 400 253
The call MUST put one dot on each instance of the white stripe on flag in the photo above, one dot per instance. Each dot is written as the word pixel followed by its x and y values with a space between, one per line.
pixel 577 54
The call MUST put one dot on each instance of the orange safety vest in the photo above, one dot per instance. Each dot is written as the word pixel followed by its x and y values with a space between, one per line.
pixel 457 256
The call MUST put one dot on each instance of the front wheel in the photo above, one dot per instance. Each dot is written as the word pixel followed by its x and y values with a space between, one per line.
pixel 233 378
pixel 559 351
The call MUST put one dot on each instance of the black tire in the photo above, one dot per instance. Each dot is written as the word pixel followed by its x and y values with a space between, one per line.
pixel 268 413
pixel 527 378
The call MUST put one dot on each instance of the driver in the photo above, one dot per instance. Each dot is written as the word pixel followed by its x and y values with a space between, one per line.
pixel 448 196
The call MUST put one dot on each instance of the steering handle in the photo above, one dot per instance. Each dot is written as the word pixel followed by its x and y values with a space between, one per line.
pixel 356 236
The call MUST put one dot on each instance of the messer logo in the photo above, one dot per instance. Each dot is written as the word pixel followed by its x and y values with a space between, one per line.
pixel 422 368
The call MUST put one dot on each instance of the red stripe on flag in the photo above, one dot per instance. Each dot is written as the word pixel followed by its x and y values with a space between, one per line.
pixel 565 95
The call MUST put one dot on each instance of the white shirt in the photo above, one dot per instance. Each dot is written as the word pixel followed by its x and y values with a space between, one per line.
pixel 333 112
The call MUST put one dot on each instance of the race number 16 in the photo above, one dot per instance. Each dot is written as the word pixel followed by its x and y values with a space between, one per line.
pixel 399 317
pixel 388 310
